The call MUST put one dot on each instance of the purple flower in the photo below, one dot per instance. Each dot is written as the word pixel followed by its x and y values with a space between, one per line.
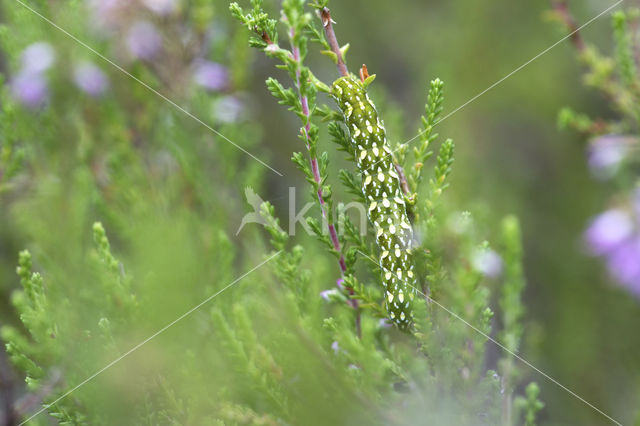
pixel 211 76
pixel 605 154
pixel 332 295
pixel 624 264
pixel 228 109
pixel 30 89
pixel 608 231
pixel 616 236
pixel 385 323
pixel 143 40
pixel 104 14
pixel 161 7
pixel 335 346
pixel 488 263
pixel 90 79
pixel 326 294
pixel 37 58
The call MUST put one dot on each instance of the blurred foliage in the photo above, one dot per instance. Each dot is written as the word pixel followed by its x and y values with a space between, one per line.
pixel 129 210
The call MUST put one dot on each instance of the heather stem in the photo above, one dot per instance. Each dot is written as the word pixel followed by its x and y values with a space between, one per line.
pixel 562 8
pixel 327 24
pixel 304 102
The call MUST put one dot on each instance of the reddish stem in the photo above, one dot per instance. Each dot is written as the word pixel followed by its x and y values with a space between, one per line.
pixel 562 9
pixel 327 24
pixel 304 102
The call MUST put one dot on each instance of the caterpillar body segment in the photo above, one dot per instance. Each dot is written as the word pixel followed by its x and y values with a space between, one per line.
pixel 383 194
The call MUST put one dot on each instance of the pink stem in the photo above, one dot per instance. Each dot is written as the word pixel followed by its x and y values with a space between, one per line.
pixel 316 177
pixel 314 165
pixel 327 23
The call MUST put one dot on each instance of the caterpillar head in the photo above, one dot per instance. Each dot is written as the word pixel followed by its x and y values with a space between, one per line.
pixel 345 89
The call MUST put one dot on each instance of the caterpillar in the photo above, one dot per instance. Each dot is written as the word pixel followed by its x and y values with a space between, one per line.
pixel 381 189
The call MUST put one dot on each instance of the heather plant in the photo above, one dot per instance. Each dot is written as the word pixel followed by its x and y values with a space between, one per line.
pixel 447 281
pixel 84 144
pixel 140 299
pixel 613 150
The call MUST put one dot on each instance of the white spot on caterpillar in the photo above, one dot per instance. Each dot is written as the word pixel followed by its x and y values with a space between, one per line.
pixel 381 188
pixel 348 111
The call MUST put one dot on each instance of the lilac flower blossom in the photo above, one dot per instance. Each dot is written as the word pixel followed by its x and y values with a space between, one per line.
pixel 326 294
pixel 30 89
pixel 606 153
pixel 624 264
pixel 487 262
pixel 143 40
pixel 104 15
pixel 211 76
pixel 29 86
pixel 37 58
pixel 332 295
pixel 385 323
pixel 615 235
pixel 90 79
pixel 608 231
pixel 161 7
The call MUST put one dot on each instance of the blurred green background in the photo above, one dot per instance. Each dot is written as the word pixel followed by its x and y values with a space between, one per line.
pixel 581 329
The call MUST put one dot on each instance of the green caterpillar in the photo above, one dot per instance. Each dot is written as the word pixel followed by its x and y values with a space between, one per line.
pixel 381 189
